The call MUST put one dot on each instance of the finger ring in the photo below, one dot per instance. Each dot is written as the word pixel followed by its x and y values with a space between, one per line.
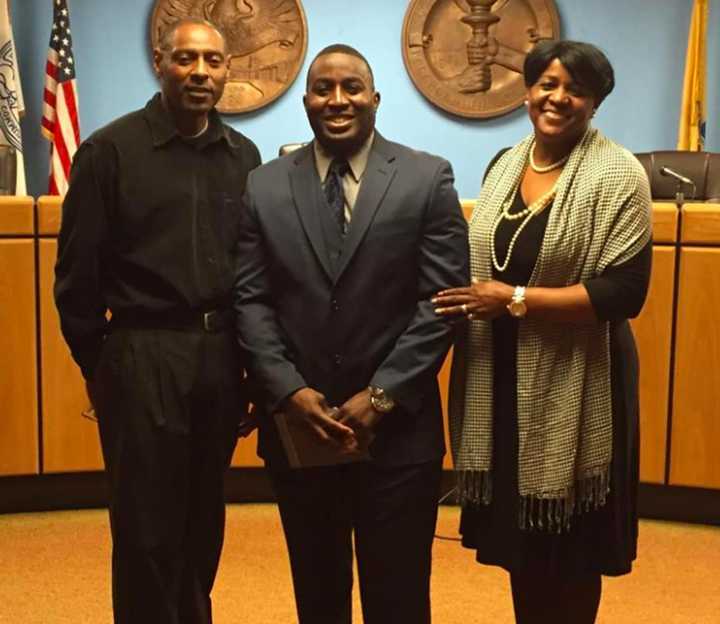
pixel 470 316
pixel 463 307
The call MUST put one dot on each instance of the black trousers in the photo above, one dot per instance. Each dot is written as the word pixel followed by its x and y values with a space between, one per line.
pixel 392 512
pixel 168 405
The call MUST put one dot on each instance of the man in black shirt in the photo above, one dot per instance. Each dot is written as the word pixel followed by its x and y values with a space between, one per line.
pixel 148 233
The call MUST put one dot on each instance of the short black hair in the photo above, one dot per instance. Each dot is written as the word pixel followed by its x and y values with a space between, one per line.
pixel 587 65
pixel 164 41
pixel 341 48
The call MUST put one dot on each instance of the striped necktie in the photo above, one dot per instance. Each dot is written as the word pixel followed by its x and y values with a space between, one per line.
pixel 334 192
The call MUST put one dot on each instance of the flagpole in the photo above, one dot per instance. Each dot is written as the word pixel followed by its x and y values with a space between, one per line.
pixel 691 131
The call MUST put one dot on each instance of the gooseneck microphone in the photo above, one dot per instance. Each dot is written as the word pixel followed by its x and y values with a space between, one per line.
pixel 666 171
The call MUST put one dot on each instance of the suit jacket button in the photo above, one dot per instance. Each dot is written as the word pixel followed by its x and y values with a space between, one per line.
pixel 335 305
pixel 338 359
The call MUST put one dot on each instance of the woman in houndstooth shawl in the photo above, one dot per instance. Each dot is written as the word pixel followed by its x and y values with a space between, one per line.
pixel 543 402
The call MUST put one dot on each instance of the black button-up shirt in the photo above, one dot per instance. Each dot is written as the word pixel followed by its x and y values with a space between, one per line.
pixel 149 225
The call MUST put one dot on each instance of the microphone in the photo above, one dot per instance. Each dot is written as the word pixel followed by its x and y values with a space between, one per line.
pixel 666 171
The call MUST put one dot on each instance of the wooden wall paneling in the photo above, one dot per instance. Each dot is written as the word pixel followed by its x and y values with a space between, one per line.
pixel 19 453
pixel 49 213
pixel 664 222
pixel 16 216
pixel 467 207
pixel 70 441
pixel 653 334
pixel 245 452
pixel 444 382
pixel 695 438
pixel 701 224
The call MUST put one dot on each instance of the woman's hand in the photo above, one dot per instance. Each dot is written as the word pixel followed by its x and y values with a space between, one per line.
pixel 480 300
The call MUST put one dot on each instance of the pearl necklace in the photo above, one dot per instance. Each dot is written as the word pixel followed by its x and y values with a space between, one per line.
pixel 546 168
pixel 535 208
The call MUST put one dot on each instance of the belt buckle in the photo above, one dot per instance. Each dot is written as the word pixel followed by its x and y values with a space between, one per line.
pixel 208 319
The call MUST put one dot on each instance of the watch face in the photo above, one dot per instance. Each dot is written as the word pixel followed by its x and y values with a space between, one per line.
pixel 517 309
pixel 382 403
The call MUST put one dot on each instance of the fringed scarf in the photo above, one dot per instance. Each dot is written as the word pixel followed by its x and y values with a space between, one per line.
pixel 600 217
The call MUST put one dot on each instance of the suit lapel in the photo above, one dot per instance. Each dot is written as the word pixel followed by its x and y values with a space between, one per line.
pixel 378 175
pixel 304 182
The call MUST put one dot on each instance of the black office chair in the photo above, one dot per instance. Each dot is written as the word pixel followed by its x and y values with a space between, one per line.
pixel 8 170
pixel 703 168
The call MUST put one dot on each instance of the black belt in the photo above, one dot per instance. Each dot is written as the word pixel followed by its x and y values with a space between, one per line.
pixel 207 321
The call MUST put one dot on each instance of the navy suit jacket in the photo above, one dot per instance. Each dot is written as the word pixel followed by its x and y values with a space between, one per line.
pixel 338 315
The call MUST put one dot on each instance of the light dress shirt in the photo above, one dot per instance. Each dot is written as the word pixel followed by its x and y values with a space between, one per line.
pixel 351 183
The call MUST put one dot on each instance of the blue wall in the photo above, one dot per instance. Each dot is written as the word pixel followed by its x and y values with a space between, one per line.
pixel 644 39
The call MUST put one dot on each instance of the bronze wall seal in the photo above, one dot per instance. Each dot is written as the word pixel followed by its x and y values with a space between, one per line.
pixel 466 56
pixel 266 39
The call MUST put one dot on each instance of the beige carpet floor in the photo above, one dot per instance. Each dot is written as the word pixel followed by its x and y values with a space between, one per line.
pixel 54 569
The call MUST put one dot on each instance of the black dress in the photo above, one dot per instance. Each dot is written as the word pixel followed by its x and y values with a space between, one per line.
pixel 602 541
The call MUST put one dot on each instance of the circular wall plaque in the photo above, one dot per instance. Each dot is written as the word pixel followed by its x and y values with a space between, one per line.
pixel 466 56
pixel 266 41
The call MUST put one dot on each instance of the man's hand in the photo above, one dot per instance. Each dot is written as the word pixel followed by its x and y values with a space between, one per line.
pixel 359 414
pixel 89 412
pixel 310 407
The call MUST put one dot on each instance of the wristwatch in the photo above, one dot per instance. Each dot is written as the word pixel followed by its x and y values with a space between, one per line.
pixel 517 307
pixel 380 401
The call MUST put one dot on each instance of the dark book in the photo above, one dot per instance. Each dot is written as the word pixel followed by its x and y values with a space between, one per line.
pixel 304 449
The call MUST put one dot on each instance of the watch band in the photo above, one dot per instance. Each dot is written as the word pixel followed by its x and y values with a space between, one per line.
pixel 380 401
pixel 517 306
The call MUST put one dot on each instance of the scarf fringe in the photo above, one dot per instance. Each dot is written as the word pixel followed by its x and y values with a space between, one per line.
pixel 550 512
pixel 474 487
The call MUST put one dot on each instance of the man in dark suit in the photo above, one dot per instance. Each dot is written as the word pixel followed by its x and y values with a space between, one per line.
pixel 343 243
pixel 148 232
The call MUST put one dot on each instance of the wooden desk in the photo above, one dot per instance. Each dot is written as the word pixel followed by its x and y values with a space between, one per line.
pixel 686 258
pixel 70 441
pixel 19 453
pixel 695 443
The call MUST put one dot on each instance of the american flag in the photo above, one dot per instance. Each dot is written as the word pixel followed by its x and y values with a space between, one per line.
pixel 60 123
